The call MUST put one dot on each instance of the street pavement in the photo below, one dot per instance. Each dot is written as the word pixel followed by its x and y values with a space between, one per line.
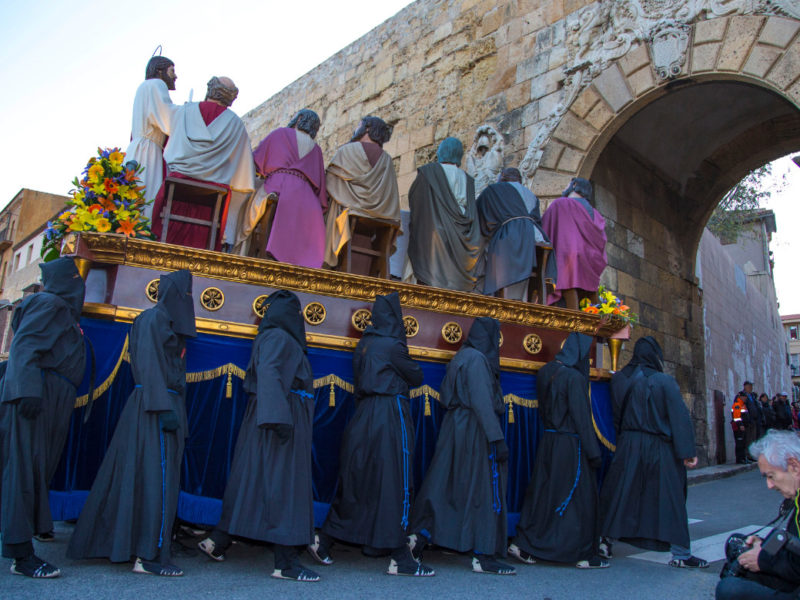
pixel 715 508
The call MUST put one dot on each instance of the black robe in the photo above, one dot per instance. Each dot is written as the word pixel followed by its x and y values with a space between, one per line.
pixel 462 501
pixel 444 245
pixel 512 231
pixel 558 520
pixel 134 498
pixel 269 495
pixel 46 360
pixel 643 500
pixel 375 491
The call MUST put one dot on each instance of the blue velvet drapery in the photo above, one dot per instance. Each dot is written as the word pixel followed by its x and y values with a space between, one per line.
pixel 216 401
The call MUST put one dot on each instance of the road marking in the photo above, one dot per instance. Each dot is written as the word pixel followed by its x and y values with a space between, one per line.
pixel 711 548
pixel 693 521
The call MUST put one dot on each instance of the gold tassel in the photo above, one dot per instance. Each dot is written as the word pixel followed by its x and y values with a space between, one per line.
pixel 332 397
pixel 229 386
pixel 427 405
pixel 510 412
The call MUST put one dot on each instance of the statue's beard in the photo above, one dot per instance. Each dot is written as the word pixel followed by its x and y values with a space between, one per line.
pixel 170 81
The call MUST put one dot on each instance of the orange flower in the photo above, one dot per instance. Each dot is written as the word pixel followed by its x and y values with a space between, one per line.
pixel 130 174
pixel 592 310
pixel 111 186
pixel 624 308
pixel 126 227
pixel 95 207
pixel 108 203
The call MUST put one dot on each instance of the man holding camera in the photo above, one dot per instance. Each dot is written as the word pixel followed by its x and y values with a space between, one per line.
pixel 770 568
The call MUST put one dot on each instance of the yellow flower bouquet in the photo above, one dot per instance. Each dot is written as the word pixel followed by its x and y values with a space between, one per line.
pixel 609 306
pixel 107 198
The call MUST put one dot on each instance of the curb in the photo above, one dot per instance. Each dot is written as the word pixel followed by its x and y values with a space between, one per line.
pixel 718 472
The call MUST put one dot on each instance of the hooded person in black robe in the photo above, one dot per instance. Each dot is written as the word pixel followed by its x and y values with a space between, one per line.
pixel 510 219
pixel 558 520
pixel 46 363
pixel 131 508
pixel 643 499
pixel 444 242
pixel 462 502
pixel 269 495
pixel 375 491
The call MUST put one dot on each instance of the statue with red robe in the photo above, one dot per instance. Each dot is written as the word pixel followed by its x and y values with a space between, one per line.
pixel 208 143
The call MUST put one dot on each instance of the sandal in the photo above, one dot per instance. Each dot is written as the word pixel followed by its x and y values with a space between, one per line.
pixel 149 567
pixel 34 567
pixel 593 563
pixel 491 566
pixel 209 548
pixel 320 552
pixel 298 573
pixel 48 536
pixel 689 563
pixel 521 555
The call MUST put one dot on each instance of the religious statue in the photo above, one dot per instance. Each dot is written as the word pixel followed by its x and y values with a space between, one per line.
pixel 485 158
pixel 361 181
pixel 151 124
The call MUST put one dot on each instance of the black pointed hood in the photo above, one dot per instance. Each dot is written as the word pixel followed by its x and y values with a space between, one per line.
pixel 175 295
pixel 484 336
pixel 282 311
pixel 648 355
pixel 575 353
pixel 387 317
pixel 61 277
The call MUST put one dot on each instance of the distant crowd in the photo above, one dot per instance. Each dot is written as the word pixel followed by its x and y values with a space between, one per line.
pixel 752 415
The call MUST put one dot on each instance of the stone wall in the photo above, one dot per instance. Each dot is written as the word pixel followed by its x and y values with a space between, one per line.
pixel 744 335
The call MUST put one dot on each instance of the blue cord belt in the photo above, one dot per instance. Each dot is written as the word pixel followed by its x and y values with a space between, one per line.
pixel 303 394
pixel 561 508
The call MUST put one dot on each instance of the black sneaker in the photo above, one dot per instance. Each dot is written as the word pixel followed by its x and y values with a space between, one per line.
pixel 298 573
pixel 209 548
pixel 149 567
pixel 689 563
pixel 34 567
pixel 320 552
pixel 488 564
pixel 521 555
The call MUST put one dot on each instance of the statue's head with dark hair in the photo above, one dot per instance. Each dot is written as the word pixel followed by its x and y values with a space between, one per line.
pixel 160 67
pixel 582 187
pixel 510 175
pixel 377 130
pixel 306 120
pixel 222 91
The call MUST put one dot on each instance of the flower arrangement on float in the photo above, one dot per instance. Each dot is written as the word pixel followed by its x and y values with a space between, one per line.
pixel 609 306
pixel 108 198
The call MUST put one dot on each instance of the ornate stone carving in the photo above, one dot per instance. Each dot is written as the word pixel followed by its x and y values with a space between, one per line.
pixel 485 158
pixel 361 319
pixel 314 313
pixel 605 31
pixel 452 332
pixel 104 249
pixel 257 308
pixel 212 298
pixel 151 290
pixel 411 325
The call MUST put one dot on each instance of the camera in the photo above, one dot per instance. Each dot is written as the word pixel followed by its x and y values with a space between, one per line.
pixel 735 545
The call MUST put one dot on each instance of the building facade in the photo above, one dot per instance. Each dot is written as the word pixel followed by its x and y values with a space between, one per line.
pixel 791 328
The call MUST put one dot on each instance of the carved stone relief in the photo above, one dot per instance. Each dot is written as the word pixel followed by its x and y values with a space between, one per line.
pixel 485 158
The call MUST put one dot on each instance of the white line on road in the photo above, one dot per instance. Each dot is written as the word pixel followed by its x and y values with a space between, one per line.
pixel 693 521
pixel 711 548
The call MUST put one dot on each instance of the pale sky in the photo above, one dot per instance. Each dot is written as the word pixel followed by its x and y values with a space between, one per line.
pixel 70 70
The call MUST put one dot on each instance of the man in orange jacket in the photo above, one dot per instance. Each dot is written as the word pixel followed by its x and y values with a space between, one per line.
pixel 740 419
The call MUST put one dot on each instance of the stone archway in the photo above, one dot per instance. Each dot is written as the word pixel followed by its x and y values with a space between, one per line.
pixel 662 149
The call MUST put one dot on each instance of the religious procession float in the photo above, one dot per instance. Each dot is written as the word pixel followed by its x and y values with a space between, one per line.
pixel 103 229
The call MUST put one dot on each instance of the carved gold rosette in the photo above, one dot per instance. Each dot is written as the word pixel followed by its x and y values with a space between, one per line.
pixel 257 308
pixel 212 298
pixel 151 290
pixel 451 332
pixel 314 313
pixel 412 326
pixel 107 249
pixel 361 319
pixel 532 343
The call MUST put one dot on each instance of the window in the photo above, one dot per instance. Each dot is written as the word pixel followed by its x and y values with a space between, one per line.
pixel 794 364
pixel 793 332
pixel 16 261
pixel 30 255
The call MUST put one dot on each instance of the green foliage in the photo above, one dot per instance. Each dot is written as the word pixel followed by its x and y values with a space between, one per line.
pixel 751 193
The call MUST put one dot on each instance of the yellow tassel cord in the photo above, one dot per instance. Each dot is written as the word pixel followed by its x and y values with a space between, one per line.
pixel 427 405
pixel 103 387
pixel 510 412
pixel 333 381
pixel 332 396
pixel 229 387
pixel 597 432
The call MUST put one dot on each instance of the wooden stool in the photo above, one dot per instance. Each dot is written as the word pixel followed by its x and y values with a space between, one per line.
pixel 370 246
pixel 537 283
pixel 263 229
pixel 193 192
